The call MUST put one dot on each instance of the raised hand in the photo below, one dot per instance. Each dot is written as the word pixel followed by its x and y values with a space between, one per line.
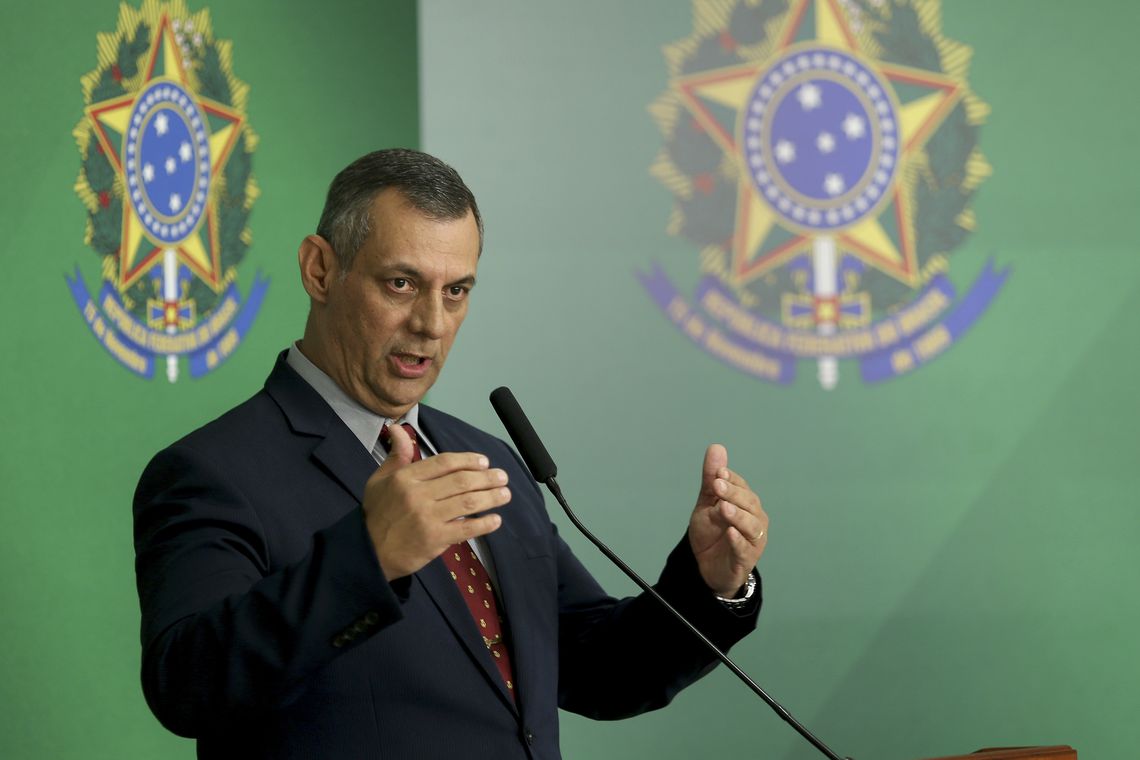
pixel 728 529
pixel 415 510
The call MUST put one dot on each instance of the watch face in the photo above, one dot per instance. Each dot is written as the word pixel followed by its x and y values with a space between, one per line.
pixel 744 593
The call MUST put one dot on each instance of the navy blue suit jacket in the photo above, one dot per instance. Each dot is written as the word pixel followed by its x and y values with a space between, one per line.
pixel 268 629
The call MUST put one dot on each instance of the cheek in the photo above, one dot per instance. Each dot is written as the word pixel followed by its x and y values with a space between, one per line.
pixel 377 329
pixel 456 322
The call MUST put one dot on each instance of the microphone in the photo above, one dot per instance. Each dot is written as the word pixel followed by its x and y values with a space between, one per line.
pixel 518 427
pixel 542 467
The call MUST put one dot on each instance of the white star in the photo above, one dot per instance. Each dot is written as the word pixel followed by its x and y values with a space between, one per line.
pixel 833 184
pixel 825 142
pixel 175 202
pixel 148 172
pixel 785 151
pixel 809 97
pixel 161 124
pixel 171 165
pixel 185 152
pixel 854 126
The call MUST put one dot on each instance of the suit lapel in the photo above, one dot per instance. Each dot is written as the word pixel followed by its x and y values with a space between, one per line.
pixel 339 452
pixel 440 587
pixel 342 456
pixel 512 571
pixel 439 584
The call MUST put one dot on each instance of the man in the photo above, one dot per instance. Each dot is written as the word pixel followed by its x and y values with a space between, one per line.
pixel 300 601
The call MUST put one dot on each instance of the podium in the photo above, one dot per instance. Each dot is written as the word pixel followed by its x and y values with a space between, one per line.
pixel 1059 752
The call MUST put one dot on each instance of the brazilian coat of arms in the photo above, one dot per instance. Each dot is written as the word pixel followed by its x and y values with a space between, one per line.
pixel 823 155
pixel 166 153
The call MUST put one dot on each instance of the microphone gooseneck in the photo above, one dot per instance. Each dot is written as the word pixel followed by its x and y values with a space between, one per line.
pixel 542 467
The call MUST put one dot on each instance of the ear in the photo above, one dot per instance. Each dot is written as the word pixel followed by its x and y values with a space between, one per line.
pixel 319 267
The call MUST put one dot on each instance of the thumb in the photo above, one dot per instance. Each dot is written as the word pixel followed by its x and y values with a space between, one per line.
pixel 401 450
pixel 716 459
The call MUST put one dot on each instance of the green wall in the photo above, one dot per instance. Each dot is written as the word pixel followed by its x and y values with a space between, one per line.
pixel 953 560
pixel 328 82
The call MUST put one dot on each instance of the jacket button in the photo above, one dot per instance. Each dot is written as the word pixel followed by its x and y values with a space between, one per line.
pixel 528 736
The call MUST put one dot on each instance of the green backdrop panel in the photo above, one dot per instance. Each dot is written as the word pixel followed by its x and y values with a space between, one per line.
pixel 328 82
pixel 952 561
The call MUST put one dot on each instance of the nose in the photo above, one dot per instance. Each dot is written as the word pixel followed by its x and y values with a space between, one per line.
pixel 427 316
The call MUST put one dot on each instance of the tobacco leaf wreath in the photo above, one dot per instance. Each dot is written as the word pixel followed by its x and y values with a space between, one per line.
pixel 233 196
pixel 941 193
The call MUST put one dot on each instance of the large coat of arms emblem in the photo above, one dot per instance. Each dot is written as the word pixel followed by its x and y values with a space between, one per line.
pixel 823 155
pixel 166 180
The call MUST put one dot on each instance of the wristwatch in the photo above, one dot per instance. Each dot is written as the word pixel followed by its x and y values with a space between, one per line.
pixel 743 595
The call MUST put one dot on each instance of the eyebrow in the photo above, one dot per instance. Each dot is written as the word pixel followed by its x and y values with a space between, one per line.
pixel 415 274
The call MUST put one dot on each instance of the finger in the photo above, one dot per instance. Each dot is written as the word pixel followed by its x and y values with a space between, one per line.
pixel 400 451
pixel 716 459
pixel 470 503
pixel 743 549
pixel 461 482
pixel 732 477
pixel 449 462
pixel 754 528
pixel 741 497
pixel 473 527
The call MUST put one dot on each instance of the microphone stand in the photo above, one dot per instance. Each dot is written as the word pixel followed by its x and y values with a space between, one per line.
pixel 543 469
pixel 779 709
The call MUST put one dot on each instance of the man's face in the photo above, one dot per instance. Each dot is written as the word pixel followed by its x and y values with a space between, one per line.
pixel 389 324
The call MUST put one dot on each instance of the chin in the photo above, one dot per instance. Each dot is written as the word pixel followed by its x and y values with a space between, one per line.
pixel 403 398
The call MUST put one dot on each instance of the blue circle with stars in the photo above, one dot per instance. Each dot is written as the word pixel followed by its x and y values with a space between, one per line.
pixel 820 138
pixel 167 162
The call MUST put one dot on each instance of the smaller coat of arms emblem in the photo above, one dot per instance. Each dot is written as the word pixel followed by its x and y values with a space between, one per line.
pixel 823 156
pixel 166 156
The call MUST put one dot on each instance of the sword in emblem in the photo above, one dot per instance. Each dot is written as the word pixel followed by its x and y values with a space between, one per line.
pixel 170 294
pixel 825 280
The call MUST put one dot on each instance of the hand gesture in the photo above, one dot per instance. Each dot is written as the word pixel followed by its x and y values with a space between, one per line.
pixel 729 529
pixel 415 510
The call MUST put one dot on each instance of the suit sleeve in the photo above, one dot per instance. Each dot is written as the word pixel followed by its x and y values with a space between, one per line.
pixel 620 658
pixel 222 633
pixel 610 662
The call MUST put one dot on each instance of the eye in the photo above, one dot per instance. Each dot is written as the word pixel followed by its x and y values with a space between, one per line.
pixel 400 284
pixel 457 292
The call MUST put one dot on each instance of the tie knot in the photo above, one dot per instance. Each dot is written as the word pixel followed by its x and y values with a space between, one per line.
pixel 386 440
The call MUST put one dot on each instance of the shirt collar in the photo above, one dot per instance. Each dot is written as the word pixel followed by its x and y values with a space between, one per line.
pixel 364 423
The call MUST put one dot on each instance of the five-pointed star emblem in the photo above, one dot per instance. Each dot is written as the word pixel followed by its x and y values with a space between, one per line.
pixel 765 239
pixel 198 246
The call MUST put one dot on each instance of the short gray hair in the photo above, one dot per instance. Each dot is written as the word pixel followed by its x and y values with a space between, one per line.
pixel 431 186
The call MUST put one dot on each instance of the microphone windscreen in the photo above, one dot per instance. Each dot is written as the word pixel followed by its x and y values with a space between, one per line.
pixel 518 427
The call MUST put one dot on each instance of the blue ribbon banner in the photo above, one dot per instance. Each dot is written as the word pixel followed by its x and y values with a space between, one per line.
pixel 752 343
pixel 137 346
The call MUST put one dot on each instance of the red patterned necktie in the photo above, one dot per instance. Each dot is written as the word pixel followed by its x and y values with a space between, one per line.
pixel 473 581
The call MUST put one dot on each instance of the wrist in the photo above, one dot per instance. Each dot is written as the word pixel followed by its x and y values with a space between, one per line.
pixel 743 594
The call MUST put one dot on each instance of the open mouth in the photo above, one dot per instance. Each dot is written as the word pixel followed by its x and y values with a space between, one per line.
pixel 410 365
